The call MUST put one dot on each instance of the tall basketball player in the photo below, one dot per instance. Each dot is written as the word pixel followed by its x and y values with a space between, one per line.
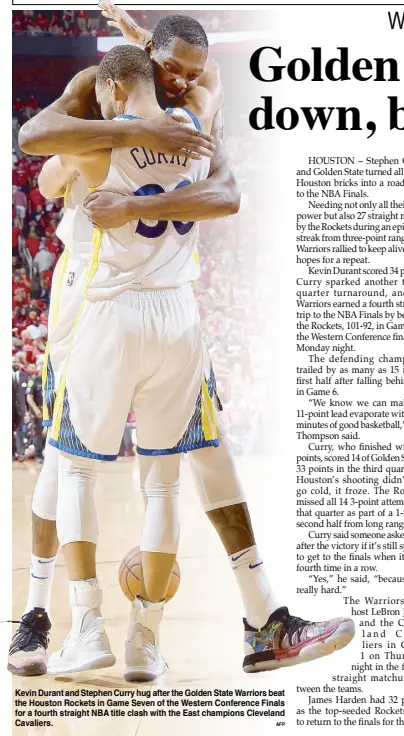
pixel 141 320
pixel 28 650
pixel 217 481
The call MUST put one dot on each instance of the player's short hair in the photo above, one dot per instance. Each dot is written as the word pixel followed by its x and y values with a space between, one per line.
pixel 181 27
pixel 127 64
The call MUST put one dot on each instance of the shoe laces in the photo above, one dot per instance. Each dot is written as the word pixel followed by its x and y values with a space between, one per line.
pixel 32 632
pixel 293 626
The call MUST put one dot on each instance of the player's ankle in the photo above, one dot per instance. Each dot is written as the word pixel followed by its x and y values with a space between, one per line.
pixel 85 600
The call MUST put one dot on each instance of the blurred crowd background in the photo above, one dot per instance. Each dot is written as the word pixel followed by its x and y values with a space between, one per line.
pixel 91 22
pixel 231 292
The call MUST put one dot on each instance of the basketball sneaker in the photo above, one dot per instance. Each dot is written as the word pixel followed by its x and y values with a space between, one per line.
pixel 287 640
pixel 86 650
pixel 143 661
pixel 87 645
pixel 27 653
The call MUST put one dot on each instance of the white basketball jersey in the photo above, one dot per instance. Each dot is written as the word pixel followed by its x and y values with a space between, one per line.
pixel 143 254
pixel 74 198
pixel 76 192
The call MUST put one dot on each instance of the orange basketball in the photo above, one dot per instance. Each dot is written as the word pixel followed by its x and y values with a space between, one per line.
pixel 129 575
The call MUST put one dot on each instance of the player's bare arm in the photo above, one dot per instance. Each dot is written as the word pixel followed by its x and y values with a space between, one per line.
pixel 56 130
pixel 119 18
pixel 217 196
pixel 93 167
pixel 54 177
pixel 206 98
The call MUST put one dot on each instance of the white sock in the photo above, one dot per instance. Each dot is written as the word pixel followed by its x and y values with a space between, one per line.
pixel 40 583
pixel 259 601
pixel 85 601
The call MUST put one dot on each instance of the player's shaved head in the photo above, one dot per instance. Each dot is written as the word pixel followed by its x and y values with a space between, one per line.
pixel 180 27
pixel 129 65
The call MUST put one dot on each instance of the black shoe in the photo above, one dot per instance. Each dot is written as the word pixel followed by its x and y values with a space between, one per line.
pixel 27 653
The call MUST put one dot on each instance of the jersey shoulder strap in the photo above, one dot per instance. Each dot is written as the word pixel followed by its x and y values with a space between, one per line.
pixel 169 111
pixel 190 114
pixel 128 117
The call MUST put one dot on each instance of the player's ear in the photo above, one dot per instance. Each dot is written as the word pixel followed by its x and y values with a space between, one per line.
pixel 111 86
pixel 149 46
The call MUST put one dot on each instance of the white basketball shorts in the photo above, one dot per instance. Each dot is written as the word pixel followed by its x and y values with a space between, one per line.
pixel 143 347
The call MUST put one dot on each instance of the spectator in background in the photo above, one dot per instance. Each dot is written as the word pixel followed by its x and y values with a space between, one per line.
pixel 20 203
pixel 53 207
pixel 41 220
pixel 19 407
pixel 27 433
pixel 44 294
pixel 32 26
pixel 55 23
pixel 51 227
pixel 67 19
pixel 32 241
pixel 19 22
pixel 82 17
pixel 25 280
pixel 18 109
pixel 35 330
pixel 21 175
pixel 35 197
pixel 43 260
pixel 34 401
pixel 20 319
pixel 53 245
pixel 17 239
pixel 42 22
pixel 20 291
pixel 94 21
pixel 34 166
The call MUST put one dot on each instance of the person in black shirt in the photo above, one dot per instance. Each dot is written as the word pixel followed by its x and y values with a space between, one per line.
pixel 34 401
pixel 19 407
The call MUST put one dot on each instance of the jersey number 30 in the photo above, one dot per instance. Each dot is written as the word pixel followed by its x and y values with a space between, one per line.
pixel 154 231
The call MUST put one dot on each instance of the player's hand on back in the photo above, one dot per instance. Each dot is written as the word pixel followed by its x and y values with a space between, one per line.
pixel 107 209
pixel 168 135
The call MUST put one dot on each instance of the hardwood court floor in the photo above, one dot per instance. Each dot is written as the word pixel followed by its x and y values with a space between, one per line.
pixel 202 630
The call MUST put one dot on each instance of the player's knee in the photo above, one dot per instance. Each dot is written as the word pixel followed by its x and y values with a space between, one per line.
pixel 44 500
pixel 76 518
pixel 160 486
pixel 216 479
pixel 159 476
pixel 163 490
pixel 161 526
